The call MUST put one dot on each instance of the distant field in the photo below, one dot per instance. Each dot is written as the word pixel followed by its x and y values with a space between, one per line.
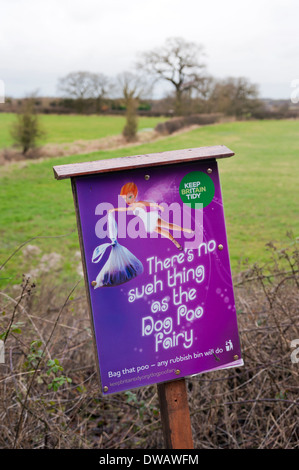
pixel 259 185
pixel 68 128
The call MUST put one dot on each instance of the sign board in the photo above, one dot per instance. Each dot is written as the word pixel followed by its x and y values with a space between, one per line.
pixel 157 270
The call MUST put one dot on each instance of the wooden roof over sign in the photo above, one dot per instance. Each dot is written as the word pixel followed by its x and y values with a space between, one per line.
pixel 138 161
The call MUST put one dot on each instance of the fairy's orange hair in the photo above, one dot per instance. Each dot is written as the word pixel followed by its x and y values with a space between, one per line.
pixel 129 188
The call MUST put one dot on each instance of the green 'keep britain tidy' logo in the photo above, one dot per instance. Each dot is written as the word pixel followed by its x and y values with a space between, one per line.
pixel 197 188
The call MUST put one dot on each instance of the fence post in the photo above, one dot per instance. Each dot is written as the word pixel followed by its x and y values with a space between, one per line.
pixel 175 415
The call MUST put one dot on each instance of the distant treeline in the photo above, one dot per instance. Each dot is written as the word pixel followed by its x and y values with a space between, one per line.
pixel 266 108
pixel 52 105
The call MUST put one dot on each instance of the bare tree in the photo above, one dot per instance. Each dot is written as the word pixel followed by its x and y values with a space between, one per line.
pixel 84 86
pixel 76 85
pixel 132 88
pixel 234 96
pixel 178 62
pixel 100 88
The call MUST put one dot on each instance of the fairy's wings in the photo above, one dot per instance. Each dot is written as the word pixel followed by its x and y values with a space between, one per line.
pixel 164 191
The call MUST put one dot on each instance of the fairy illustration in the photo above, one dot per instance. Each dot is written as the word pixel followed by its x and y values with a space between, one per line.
pixel 149 214
pixel 122 266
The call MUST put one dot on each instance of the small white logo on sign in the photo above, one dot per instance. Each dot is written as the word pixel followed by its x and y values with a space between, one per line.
pixel 295 353
pixel 2 359
pixel 2 92
pixel 295 93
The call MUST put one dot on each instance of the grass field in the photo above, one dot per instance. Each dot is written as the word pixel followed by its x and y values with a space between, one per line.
pixel 259 186
pixel 63 129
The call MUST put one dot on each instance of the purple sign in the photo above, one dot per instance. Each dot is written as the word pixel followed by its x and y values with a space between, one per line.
pixel 158 273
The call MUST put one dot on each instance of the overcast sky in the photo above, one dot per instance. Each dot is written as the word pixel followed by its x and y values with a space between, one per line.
pixel 42 40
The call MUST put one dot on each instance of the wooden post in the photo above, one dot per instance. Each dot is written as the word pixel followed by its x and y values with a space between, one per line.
pixel 175 415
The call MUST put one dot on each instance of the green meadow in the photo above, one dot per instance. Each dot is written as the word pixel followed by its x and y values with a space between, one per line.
pixel 65 129
pixel 259 187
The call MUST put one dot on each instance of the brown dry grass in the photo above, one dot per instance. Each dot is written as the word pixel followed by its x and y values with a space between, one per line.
pixel 255 406
pixel 74 148
pixel 81 147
